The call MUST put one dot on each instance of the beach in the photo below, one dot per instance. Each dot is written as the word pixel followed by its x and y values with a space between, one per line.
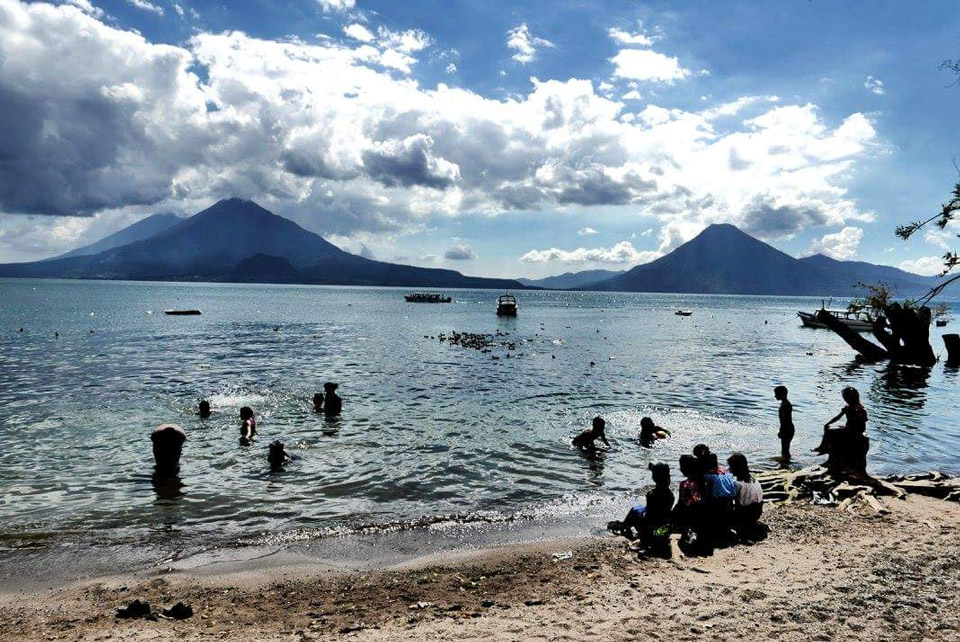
pixel 823 574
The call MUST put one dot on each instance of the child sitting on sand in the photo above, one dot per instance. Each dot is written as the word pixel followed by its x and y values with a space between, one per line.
pixel 248 425
pixel 786 421
pixel 720 494
pixel 650 523
pixel 749 501
pixel 688 514
pixel 586 440
pixel 650 432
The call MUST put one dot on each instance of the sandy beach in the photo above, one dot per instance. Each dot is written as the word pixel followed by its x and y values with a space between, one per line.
pixel 823 574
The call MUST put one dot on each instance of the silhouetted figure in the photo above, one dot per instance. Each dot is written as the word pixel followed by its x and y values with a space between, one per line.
pixel 332 403
pixel 749 501
pixel 786 421
pixel 650 522
pixel 204 409
pixel 167 445
pixel 278 457
pixel 689 515
pixel 248 425
pixel 720 495
pixel 650 432
pixel 847 446
pixel 318 402
pixel 587 439
pixel 702 453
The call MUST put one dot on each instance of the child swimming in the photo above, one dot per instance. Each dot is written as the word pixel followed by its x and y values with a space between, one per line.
pixel 587 439
pixel 248 425
pixel 650 433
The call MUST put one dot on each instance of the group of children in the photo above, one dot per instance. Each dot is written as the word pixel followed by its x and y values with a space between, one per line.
pixel 717 507
pixel 328 402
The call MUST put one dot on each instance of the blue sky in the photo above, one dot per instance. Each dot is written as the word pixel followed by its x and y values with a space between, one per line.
pixel 495 138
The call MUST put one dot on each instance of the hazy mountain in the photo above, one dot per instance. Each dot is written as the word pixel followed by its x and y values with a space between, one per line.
pixel 237 240
pixel 724 260
pixel 571 280
pixel 139 231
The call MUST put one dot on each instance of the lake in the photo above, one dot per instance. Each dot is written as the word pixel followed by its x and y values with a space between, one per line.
pixel 429 430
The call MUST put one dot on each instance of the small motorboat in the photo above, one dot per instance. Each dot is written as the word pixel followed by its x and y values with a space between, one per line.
pixel 942 322
pixel 507 306
pixel 858 320
pixel 427 297
pixel 683 313
pixel 182 313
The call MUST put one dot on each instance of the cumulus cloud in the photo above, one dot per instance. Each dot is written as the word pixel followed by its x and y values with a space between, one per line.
pixel 359 32
pixel 646 64
pixel 87 7
pixel 842 245
pixel 459 252
pixel 587 231
pixel 874 85
pixel 525 44
pixel 627 38
pixel 925 265
pixel 336 5
pixel 621 253
pixel 340 137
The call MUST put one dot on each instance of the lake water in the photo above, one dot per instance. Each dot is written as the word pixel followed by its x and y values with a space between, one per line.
pixel 429 430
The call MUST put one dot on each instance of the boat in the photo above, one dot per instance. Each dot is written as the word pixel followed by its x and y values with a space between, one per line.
pixel 941 323
pixel 182 313
pixel 507 306
pixel 427 297
pixel 683 313
pixel 858 320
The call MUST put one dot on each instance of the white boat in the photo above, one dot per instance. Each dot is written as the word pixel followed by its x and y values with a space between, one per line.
pixel 859 320
pixel 683 313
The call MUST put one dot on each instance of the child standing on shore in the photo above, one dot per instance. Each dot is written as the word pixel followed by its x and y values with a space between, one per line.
pixel 786 421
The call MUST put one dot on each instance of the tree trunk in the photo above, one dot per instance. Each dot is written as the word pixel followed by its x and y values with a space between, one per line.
pixel 952 342
pixel 869 350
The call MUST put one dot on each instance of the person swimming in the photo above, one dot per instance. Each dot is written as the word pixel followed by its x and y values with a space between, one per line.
pixel 334 404
pixel 650 433
pixel 318 402
pixel 278 457
pixel 587 439
pixel 204 409
pixel 167 446
pixel 248 425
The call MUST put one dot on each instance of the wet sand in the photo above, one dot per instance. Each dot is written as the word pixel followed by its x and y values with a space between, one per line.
pixel 823 574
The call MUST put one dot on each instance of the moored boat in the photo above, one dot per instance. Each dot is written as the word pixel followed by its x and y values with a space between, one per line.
pixel 858 320
pixel 683 313
pixel 507 306
pixel 427 297
pixel 182 313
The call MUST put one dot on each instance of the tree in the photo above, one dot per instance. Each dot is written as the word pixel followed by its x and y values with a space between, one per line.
pixel 948 212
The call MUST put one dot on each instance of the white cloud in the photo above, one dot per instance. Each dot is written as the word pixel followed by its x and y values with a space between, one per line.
pixel 633 94
pixel 925 265
pixel 647 65
pixel 451 68
pixel 87 7
pixel 336 5
pixel 525 44
pixel 459 252
pixel 842 245
pixel 874 85
pixel 359 32
pixel 587 231
pixel 627 38
pixel 337 136
pixel 621 253
pixel 147 6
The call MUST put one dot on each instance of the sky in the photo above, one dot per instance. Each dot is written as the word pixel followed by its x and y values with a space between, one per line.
pixel 496 138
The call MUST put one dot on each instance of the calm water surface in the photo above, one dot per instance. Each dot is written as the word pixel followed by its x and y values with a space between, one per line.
pixel 429 430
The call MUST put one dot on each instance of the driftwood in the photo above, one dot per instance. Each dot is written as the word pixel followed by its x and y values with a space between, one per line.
pixel 818 484
pixel 903 334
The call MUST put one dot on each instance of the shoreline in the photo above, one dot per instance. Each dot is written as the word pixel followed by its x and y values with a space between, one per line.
pixel 824 572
